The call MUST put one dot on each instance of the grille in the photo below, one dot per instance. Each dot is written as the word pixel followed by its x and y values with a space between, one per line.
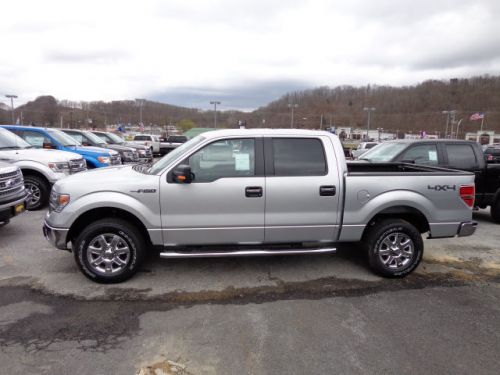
pixel 115 160
pixel 52 200
pixel 11 191
pixel 10 181
pixel 149 153
pixel 77 165
pixel 9 174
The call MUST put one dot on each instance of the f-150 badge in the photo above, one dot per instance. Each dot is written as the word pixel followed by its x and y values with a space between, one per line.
pixel 143 191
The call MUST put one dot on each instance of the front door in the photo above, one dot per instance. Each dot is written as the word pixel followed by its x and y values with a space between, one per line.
pixel 302 190
pixel 224 203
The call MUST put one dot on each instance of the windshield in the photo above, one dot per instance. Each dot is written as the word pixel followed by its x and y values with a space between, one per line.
pixel 384 152
pixel 95 139
pixel 115 138
pixel 171 156
pixel 12 141
pixel 63 138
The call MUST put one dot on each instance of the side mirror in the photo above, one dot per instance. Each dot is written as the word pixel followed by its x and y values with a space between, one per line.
pixel 182 174
pixel 48 145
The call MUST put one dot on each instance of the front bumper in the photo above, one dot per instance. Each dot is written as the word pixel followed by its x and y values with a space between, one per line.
pixel 11 209
pixel 56 236
pixel 466 228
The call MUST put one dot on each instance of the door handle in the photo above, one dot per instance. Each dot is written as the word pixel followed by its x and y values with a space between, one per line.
pixel 253 191
pixel 327 190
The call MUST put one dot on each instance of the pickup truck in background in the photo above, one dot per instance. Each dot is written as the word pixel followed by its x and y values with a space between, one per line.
pixel 171 143
pixel 41 167
pixel 447 153
pixel 145 153
pixel 55 139
pixel 148 140
pixel 86 138
pixel 12 192
pixel 256 192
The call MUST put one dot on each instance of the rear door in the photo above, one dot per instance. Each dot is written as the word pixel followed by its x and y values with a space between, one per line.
pixel 302 180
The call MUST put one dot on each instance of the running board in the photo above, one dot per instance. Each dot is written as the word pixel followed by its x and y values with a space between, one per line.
pixel 240 253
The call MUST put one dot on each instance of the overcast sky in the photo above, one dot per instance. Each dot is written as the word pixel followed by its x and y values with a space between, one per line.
pixel 243 53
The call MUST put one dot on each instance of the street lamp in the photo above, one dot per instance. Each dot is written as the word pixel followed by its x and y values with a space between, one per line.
pixel 215 102
pixel 292 106
pixel 448 114
pixel 369 110
pixel 140 103
pixel 12 97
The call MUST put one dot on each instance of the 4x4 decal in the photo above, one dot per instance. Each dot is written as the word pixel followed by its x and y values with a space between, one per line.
pixel 442 187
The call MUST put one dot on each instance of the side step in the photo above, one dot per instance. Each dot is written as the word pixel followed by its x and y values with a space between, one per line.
pixel 243 253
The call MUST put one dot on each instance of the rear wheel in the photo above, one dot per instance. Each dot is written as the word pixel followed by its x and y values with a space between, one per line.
pixel 395 247
pixel 109 250
pixel 37 190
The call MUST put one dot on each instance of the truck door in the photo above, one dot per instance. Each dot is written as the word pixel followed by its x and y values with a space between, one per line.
pixel 224 203
pixel 302 197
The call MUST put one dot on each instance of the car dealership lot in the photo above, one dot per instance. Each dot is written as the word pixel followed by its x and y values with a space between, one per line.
pixel 302 314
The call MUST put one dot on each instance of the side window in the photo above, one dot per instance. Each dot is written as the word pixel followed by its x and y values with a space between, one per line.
pixel 36 139
pixel 76 136
pixel 422 154
pixel 299 157
pixel 227 158
pixel 461 156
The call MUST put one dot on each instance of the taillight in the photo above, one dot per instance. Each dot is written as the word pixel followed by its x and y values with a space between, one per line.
pixel 490 157
pixel 467 193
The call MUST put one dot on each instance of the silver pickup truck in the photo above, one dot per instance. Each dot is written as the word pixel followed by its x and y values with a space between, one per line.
pixel 256 192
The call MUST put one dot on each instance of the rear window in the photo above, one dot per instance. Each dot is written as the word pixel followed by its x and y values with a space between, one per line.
pixel 461 156
pixel 299 157
pixel 142 138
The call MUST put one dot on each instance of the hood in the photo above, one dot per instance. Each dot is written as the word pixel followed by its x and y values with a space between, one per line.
pixel 91 150
pixel 136 146
pixel 119 148
pixel 122 178
pixel 39 155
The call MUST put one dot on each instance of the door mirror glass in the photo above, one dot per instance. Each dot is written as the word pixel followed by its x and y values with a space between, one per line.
pixel 182 174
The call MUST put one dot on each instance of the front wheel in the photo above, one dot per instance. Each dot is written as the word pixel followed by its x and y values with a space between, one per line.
pixel 395 248
pixel 109 250
pixel 38 191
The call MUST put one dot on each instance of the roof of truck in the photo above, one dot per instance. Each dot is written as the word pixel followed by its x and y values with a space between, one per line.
pixel 259 131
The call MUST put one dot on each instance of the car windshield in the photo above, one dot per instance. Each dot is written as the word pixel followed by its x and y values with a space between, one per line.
pixel 95 139
pixel 63 138
pixel 171 156
pixel 9 140
pixel 384 152
pixel 115 138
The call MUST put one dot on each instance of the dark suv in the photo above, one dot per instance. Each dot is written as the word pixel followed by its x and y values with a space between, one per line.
pixel 492 153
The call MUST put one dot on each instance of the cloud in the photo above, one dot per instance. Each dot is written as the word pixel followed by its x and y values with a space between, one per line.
pixel 242 52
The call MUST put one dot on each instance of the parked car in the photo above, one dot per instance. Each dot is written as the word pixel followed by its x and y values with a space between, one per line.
pixel 448 153
pixel 492 153
pixel 256 192
pixel 55 139
pixel 145 153
pixel 41 167
pixel 12 192
pixel 172 142
pixel 148 140
pixel 362 148
pixel 128 155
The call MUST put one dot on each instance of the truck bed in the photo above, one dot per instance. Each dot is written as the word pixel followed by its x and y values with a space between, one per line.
pixel 362 168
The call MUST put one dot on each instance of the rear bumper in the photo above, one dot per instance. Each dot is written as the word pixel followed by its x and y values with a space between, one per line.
pixel 56 236
pixel 466 228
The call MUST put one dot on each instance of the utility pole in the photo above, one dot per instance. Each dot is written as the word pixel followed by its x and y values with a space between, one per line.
pixel 215 102
pixel 449 114
pixel 321 123
pixel 140 103
pixel 292 106
pixel 12 97
pixel 369 110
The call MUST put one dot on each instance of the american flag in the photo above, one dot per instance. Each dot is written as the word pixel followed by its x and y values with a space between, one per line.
pixel 477 116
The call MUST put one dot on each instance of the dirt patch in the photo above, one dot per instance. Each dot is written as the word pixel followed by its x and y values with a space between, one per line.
pixel 166 367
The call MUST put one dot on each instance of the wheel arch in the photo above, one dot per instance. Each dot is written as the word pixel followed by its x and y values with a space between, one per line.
pixel 408 213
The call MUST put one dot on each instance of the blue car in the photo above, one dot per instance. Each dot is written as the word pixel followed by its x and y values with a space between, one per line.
pixel 95 157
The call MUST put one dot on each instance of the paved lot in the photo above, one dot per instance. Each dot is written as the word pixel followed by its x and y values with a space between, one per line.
pixel 280 315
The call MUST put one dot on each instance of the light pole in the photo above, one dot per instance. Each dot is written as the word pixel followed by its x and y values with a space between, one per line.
pixel 140 103
pixel 458 127
pixel 12 97
pixel 292 106
pixel 369 110
pixel 448 114
pixel 215 102
pixel 380 130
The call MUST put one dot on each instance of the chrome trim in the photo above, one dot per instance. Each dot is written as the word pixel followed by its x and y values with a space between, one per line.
pixel 467 228
pixel 217 254
pixel 56 236
pixel 13 204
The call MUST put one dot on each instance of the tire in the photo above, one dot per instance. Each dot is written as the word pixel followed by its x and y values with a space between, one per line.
pixel 495 211
pixel 405 254
pixel 38 190
pixel 116 263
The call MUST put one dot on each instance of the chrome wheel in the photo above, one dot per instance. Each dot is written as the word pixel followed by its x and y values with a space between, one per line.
pixel 33 194
pixel 108 254
pixel 396 250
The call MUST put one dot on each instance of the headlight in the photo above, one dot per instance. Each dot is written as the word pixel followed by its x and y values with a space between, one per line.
pixel 104 159
pixel 59 167
pixel 58 201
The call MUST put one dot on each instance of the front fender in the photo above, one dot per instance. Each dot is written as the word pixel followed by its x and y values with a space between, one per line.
pixel 43 169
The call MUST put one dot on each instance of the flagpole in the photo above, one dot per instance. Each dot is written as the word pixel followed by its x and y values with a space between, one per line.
pixel 482 120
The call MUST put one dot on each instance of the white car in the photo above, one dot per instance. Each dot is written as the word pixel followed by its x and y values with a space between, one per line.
pixel 41 167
